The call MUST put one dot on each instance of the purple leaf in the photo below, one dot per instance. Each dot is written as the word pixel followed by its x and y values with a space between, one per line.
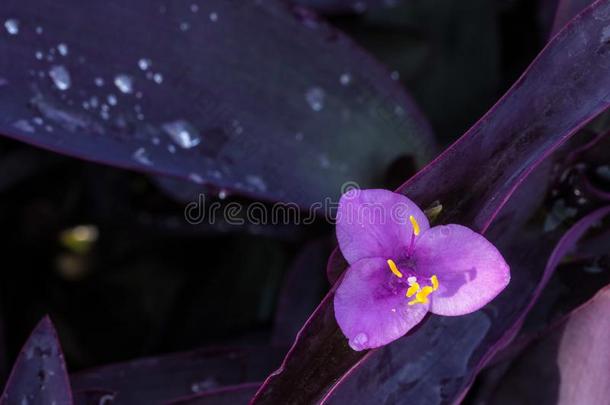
pixel 39 375
pixel 559 93
pixel 157 379
pixel 259 98
pixel 572 360
pixel 235 395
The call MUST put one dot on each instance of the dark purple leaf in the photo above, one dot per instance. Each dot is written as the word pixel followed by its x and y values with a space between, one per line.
pixel 572 360
pixel 39 376
pixel 236 395
pixel 259 98
pixel 559 93
pixel 157 379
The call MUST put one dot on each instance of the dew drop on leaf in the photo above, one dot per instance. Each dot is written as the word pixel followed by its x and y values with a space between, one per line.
pixel 60 77
pixel 12 26
pixel 182 133
pixel 315 98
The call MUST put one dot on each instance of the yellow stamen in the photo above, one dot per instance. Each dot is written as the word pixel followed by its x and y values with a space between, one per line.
pixel 434 280
pixel 422 296
pixel 415 225
pixel 413 290
pixel 394 269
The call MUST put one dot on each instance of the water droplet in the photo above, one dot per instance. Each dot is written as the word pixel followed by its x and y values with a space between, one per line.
pixel 99 82
pixel 94 102
pixel 184 26
pixel 358 342
pixel 345 79
pixel 256 182
pixel 194 8
pixel 39 30
pixel 24 125
pixel 395 75
pixel 158 78
pixel 315 98
pixel 141 156
pixel 298 136
pixel 171 148
pixel 60 77
pixel 204 385
pixel 39 55
pixel 12 26
pixel 144 64
pixel 213 16
pixel 183 133
pixel 222 194
pixel 112 100
pixel 63 49
pixel 196 178
pixel 124 83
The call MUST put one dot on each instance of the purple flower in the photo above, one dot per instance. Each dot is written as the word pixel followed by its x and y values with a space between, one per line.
pixel 400 268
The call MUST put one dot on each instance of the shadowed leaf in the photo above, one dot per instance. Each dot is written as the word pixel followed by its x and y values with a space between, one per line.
pixel 154 380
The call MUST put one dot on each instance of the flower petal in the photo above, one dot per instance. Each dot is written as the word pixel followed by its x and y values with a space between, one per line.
pixel 375 223
pixel 470 270
pixel 371 308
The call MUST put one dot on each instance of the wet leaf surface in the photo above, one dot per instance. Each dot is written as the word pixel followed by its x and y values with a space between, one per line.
pixel 259 98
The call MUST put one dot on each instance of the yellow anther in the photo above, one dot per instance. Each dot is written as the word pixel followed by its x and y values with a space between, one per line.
pixel 434 280
pixel 422 296
pixel 415 225
pixel 394 269
pixel 413 290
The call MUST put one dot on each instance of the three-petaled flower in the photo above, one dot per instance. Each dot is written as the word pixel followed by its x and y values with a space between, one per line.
pixel 400 268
